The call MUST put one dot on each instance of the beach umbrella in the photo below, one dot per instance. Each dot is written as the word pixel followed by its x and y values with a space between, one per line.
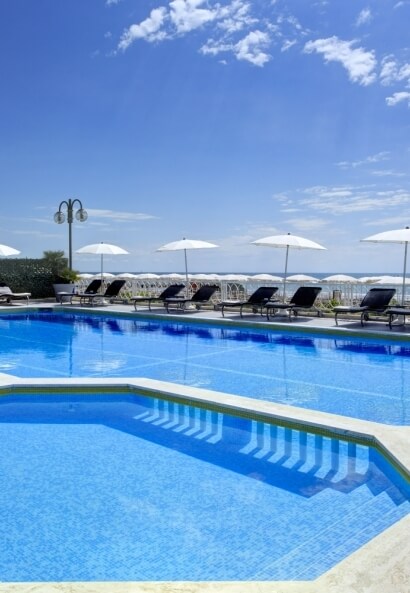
pixel 302 278
pixel 184 245
pixel 126 276
pixel 5 251
pixel 147 276
pixel 396 236
pixel 392 280
pixel 340 279
pixel 287 242
pixel 368 279
pixel 234 277
pixel 266 278
pixel 102 249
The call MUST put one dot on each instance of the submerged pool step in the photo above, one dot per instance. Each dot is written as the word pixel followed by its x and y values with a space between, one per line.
pixel 355 528
pixel 316 455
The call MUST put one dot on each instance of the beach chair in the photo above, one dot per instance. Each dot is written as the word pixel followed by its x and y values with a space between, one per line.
pixel 67 297
pixel 110 295
pixel 7 295
pixel 255 302
pixel 375 301
pixel 394 313
pixel 303 300
pixel 200 297
pixel 169 292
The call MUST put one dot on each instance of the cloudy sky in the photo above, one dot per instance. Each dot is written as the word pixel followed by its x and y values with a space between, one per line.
pixel 225 121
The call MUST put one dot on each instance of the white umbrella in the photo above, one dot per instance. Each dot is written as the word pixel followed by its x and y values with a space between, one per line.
pixel 126 275
pixel 288 242
pixel 302 278
pixel 85 276
pixel 392 280
pixel 368 279
pixel 184 245
pixel 234 278
pixel 396 236
pixel 5 251
pixel 104 275
pixel 266 278
pixel 147 276
pixel 340 278
pixel 102 249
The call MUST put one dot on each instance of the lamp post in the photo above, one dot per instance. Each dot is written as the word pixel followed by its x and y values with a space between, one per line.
pixel 80 215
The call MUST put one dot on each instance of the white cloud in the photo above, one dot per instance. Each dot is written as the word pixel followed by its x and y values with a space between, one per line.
pixel 214 47
pixel 251 47
pixel 187 15
pixel 112 2
pixel 148 29
pixel 288 44
pixel 386 173
pixel 397 98
pixel 391 72
pixel 365 16
pixel 374 158
pixel 359 63
pixel 339 201
pixel 307 224
pixel 235 17
pixel 119 216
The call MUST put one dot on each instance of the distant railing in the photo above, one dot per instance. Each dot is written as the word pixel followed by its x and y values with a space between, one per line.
pixel 240 287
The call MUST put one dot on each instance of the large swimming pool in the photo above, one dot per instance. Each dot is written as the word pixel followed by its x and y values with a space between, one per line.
pixel 132 488
pixel 361 378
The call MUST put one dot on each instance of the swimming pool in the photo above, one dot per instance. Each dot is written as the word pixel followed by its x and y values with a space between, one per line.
pixel 134 488
pixel 361 378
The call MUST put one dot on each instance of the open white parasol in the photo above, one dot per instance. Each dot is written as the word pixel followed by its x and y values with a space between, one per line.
pixel 6 251
pixel 184 245
pixel 288 242
pixel 395 236
pixel 102 249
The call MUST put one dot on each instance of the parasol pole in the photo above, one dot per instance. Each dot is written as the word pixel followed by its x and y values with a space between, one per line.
pixel 286 272
pixel 404 272
pixel 186 275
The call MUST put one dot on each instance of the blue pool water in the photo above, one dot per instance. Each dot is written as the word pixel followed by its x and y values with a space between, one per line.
pixel 123 487
pixel 365 379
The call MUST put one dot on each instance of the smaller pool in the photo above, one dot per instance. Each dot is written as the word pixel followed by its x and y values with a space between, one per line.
pixel 133 488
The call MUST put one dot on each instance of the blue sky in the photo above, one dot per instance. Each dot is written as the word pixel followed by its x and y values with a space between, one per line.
pixel 222 121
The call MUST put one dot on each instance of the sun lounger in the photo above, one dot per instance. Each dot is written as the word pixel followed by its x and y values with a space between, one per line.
pixel 375 301
pixel 394 312
pixel 67 297
pixel 7 295
pixel 255 302
pixel 110 294
pixel 303 300
pixel 169 292
pixel 201 296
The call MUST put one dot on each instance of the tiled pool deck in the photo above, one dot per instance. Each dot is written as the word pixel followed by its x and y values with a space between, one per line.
pixel 381 566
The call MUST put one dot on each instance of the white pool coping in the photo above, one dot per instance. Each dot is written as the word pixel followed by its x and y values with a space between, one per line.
pixel 380 566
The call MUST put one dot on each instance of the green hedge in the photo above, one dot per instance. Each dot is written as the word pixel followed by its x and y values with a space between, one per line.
pixel 28 275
